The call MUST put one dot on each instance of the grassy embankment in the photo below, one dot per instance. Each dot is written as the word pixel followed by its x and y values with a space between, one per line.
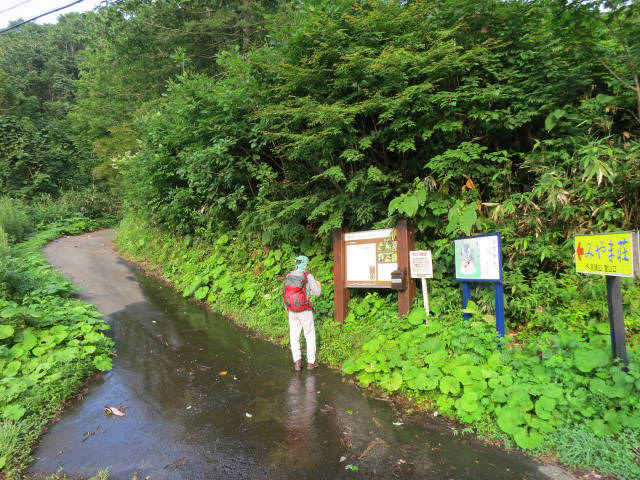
pixel 50 342
pixel 547 392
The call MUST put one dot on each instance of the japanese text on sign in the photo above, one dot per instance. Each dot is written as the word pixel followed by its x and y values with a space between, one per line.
pixel 421 264
pixel 607 254
pixel 371 256
pixel 478 258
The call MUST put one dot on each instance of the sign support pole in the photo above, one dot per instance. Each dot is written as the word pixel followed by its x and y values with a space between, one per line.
pixel 341 294
pixel 616 319
pixel 499 298
pixel 466 296
pixel 425 296
pixel 406 242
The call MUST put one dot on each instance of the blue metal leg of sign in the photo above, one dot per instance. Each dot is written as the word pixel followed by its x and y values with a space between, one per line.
pixel 499 296
pixel 466 296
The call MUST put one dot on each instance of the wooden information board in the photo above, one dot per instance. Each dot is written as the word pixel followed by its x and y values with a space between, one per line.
pixel 366 260
pixel 371 256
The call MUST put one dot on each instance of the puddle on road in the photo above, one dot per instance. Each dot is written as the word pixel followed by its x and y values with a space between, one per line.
pixel 260 421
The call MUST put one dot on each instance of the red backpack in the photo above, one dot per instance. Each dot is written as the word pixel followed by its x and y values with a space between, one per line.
pixel 295 293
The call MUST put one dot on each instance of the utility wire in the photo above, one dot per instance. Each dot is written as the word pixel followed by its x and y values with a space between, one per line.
pixel 39 16
pixel 15 6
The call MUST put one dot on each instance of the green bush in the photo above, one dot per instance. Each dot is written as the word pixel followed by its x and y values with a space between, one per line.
pixel 4 244
pixel 14 219
pixel 90 202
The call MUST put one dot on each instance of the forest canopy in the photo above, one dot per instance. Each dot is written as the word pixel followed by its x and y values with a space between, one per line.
pixel 282 120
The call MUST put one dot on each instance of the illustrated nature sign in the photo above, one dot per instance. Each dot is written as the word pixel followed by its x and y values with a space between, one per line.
pixel 613 254
pixel 371 256
pixel 479 258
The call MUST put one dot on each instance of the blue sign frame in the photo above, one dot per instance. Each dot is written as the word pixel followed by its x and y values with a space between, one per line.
pixel 467 279
pixel 498 284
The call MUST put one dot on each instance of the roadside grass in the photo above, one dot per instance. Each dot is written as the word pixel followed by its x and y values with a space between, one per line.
pixel 531 391
pixel 101 474
pixel 578 447
pixel 49 343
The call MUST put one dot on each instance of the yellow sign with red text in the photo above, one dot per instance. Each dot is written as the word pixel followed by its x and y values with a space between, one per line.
pixel 613 254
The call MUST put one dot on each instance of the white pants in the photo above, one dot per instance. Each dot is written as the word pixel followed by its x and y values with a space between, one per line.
pixel 299 321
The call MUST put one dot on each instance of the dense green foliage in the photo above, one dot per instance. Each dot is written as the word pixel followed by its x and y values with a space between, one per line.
pixel 38 67
pixel 49 342
pixel 473 111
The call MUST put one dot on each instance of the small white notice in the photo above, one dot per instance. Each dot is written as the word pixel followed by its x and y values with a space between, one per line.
pixel 421 266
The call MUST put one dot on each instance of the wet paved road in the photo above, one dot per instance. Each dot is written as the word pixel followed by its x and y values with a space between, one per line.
pixel 260 421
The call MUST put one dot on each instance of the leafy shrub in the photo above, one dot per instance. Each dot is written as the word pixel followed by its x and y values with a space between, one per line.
pixel 14 219
pixel 4 245
pixel 90 202
pixel 526 391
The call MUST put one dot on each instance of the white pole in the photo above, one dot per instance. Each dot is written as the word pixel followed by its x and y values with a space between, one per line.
pixel 425 297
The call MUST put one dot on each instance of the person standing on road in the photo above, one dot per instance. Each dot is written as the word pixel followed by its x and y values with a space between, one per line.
pixel 299 287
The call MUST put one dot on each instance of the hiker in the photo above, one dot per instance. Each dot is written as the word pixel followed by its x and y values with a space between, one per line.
pixel 299 287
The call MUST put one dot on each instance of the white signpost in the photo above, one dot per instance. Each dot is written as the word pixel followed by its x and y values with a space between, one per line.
pixel 422 267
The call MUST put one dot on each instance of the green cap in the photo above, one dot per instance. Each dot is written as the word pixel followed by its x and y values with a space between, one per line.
pixel 302 262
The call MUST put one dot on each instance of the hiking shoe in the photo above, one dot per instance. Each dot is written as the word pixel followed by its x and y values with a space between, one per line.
pixel 311 366
pixel 297 366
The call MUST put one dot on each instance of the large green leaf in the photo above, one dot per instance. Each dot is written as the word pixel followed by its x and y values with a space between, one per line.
pixel 509 419
pixel 6 331
pixel 29 339
pixel 449 384
pixel 365 378
pixel 544 407
pixel 468 218
pixel 102 363
pixel 201 292
pixel 469 402
pixel 11 369
pixel 417 316
pixel 588 360
pixel 13 412
pixel 391 381
pixel 528 440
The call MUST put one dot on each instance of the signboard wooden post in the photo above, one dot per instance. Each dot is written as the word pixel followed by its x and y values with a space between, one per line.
pixel 479 259
pixel 614 255
pixel 422 268
pixel 406 242
pixel 340 292
pixel 366 260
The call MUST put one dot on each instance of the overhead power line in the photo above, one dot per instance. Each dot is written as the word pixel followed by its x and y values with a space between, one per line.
pixel 15 6
pixel 40 16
